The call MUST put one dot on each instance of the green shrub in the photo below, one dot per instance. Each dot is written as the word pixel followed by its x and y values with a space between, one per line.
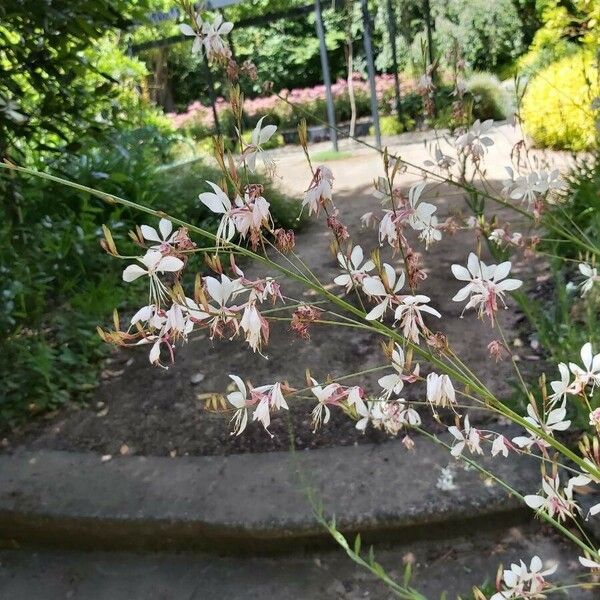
pixel 490 101
pixel 56 283
pixel 557 106
pixel 390 125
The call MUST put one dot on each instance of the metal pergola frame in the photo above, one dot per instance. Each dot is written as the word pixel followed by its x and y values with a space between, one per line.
pixel 296 13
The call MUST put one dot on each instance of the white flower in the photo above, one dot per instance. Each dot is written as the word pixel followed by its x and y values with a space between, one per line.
pixel 189 31
pixel 164 236
pixel 154 262
pixel 476 140
pixel 420 215
pixel 364 410
pixel 218 202
pixel 552 501
pixel 222 291
pixel 469 438
pixel 589 563
pixel 409 314
pixel 239 401
pixel 561 388
pixel 442 161
pixel 151 315
pixel 374 286
pixel 354 270
pixel 393 415
pixel 431 233
pixel 440 391
pixel 590 374
pixel 527 188
pixel 554 420
pixel 394 382
pixel 591 276
pixel 260 135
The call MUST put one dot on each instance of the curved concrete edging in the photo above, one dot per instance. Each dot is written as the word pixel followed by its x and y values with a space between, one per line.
pixel 248 502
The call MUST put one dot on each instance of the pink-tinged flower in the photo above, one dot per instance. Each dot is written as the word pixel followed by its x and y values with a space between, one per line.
pixel 330 394
pixel 591 276
pixel 590 374
pixel 354 269
pixel 213 34
pixel 500 445
pixel 393 415
pixel 485 284
pixel 409 313
pixel 440 391
pixel 552 501
pixel 319 191
pixel 164 236
pixel 268 397
pixel 469 438
pixel 154 262
pixel 497 350
pixel 521 582
pixel 254 326
pixel 218 202
pixel 388 228
pixel 386 292
pixel 595 418
pixel 304 316
pixel 264 398
pixel 498 236
pixel 250 215
pixel 260 135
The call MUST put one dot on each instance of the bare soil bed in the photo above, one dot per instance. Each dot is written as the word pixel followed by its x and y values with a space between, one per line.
pixel 143 410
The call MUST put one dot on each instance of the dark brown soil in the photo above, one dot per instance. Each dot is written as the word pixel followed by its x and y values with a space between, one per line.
pixel 144 410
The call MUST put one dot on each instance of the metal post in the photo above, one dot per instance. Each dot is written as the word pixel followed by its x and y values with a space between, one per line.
pixel 371 71
pixel 326 75
pixel 392 33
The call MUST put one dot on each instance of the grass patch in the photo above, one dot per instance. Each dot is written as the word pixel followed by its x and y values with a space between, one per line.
pixel 330 155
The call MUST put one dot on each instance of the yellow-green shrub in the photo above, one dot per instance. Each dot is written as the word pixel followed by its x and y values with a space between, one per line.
pixel 556 108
